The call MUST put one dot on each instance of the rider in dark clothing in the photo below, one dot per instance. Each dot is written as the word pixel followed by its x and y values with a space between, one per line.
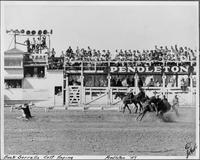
pixel 141 95
pixel 154 103
pixel 164 98
pixel 130 94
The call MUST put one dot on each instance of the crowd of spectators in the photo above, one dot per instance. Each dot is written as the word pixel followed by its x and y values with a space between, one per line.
pixel 175 53
pixel 36 44
pixel 156 55
pixel 55 63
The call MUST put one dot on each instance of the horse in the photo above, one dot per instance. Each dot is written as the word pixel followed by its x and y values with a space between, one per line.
pixel 129 99
pixel 154 104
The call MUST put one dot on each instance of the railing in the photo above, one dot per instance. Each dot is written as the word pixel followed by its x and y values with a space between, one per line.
pixel 32 59
pixel 100 96
pixel 55 63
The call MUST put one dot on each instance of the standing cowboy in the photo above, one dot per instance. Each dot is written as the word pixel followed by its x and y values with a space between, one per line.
pixel 175 104
pixel 25 111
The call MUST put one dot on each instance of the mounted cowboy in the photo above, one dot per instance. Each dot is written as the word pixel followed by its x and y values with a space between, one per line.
pixel 130 94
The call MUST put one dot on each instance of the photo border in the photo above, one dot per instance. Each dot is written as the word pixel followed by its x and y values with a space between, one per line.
pixel 91 3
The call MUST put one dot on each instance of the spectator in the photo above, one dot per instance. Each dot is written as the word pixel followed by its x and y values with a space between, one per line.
pixel 27 42
pixel 182 84
pixel 133 82
pixel 69 52
pixel 140 83
pixel 53 53
pixel 38 44
pixel 124 83
pixel 62 54
pixel 151 83
pixel 113 82
pixel 33 44
pixel 119 83
pixel 43 44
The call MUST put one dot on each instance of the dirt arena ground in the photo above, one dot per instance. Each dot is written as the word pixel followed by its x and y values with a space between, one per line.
pixel 98 133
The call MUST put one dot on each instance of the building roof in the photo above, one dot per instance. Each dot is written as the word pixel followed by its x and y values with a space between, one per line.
pixel 14 51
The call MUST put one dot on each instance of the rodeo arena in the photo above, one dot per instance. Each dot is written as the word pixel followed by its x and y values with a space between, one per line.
pixel 90 101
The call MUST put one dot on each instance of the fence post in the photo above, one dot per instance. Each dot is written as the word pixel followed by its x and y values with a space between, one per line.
pixel 163 86
pixel 192 89
pixel 136 82
pixel 108 91
pixel 81 89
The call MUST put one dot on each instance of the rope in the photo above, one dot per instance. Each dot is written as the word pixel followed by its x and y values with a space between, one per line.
pixel 96 98
pixel 11 43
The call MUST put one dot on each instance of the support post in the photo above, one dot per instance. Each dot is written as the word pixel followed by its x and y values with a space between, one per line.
pixel 82 87
pixel 109 89
pixel 49 44
pixel 191 81
pixel 40 49
pixel 191 90
pixel 67 91
pixel 136 82
pixel 163 86
pixel 15 40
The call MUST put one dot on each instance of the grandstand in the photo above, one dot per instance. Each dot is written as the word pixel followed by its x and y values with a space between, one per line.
pixel 90 77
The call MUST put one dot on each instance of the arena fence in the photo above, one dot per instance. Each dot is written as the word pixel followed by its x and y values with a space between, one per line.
pixel 81 95
pixel 91 97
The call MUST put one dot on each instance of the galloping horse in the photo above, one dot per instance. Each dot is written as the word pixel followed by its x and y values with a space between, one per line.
pixel 130 99
pixel 154 105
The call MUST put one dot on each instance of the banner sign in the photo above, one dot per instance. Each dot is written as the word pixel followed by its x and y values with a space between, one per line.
pixel 152 69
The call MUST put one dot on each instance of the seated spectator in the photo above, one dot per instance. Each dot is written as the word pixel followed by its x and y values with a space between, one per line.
pixel 157 83
pixel 183 84
pixel 124 83
pixel 151 83
pixel 158 54
pixel 140 83
pixel 119 83
pixel 113 82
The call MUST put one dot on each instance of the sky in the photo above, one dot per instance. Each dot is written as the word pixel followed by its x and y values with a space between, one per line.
pixel 115 25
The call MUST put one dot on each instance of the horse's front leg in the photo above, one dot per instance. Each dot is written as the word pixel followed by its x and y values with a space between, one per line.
pixel 136 107
pixel 123 109
pixel 138 116
pixel 155 108
pixel 141 107
pixel 143 113
pixel 125 105
pixel 128 108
